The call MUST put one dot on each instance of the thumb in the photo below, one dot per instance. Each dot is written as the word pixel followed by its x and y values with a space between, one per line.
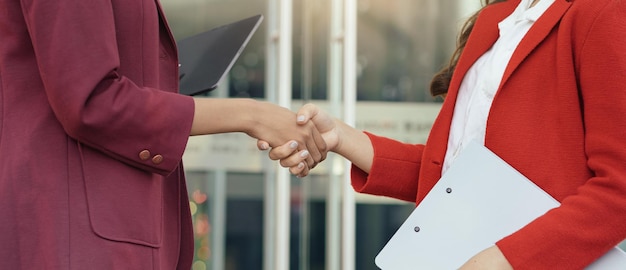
pixel 306 113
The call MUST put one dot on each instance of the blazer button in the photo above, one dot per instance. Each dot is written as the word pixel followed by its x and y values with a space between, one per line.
pixel 157 159
pixel 144 155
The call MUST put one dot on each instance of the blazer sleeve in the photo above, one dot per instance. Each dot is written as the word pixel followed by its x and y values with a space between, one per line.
pixel 394 171
pixel 592 221
pixel 77 55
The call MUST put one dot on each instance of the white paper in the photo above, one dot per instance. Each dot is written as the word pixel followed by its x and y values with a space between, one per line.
pixel 479 200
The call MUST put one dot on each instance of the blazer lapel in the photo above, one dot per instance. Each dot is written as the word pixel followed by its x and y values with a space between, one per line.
pixel 167 28
pixel 538 32
pixel 483 36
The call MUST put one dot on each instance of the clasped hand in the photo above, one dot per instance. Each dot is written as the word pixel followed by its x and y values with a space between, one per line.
pixel 294 158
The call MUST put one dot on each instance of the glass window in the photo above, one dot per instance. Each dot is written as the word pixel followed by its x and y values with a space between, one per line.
pixel 401 44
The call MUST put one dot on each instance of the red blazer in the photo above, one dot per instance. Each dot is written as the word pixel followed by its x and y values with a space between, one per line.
pixel 558 118
pixel 92 134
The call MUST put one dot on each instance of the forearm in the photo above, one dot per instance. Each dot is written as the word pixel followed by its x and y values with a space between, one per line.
pixel 213 116
pixel 261 120
pixel 355 146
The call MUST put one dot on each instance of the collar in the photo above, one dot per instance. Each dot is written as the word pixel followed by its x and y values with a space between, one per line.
pixel 524 12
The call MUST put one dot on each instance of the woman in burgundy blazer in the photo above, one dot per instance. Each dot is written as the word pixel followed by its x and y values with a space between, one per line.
pixel 92 134
pixel 558 118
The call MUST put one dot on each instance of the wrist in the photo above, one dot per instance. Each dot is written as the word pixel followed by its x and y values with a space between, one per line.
pixel 349 140
pixel 354 145
pixel 250 114
pixel 340 131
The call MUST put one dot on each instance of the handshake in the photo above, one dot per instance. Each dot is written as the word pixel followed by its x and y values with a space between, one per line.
pixel 315 134
pixel 300 141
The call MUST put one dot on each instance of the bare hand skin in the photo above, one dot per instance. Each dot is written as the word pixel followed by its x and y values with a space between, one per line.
pixel 488 259
pixel 261 120
pixel 295 159
pixel 339 137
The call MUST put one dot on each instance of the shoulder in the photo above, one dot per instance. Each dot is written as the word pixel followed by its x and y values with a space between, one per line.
pixel 596 7
pixel 598 14
pixel 590 3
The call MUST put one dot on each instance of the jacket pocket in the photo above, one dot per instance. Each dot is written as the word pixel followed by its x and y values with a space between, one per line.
pixel 124 203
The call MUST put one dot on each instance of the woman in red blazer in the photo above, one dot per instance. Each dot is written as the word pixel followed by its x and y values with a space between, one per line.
pixel 557 117
pixel 92 134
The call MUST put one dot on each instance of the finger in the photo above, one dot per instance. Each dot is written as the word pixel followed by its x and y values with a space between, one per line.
pixel 306 112
pixel 304 172
pixel 319 153
pixel 318 146
pixel 262 145
pixel 310 161
pixel 300 170
pixel 295 159
pixel 283 151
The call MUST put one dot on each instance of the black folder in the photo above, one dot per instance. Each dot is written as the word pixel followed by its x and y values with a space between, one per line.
pixel 207 57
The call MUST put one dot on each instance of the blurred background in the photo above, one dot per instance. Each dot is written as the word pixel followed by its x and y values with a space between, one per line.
pixel 248 213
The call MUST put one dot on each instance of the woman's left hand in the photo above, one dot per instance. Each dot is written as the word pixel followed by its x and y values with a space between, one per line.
pixel 488 259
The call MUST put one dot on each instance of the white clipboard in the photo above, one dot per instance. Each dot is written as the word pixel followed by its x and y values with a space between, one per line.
pixel 455 220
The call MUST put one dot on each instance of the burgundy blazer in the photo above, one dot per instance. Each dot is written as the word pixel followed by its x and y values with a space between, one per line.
pixel 558 118
pixel 92 134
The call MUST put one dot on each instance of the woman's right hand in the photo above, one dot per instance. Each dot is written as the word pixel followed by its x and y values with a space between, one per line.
pixel 324 123
pixel 293 160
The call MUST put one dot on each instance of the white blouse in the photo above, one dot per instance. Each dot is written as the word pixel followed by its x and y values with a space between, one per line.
pixel 483 79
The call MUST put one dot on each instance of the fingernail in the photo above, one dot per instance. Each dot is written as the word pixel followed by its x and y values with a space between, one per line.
pixel 301 118
pixel 304 154
pixel 293 145
pixel 265 146
pixel 300 165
